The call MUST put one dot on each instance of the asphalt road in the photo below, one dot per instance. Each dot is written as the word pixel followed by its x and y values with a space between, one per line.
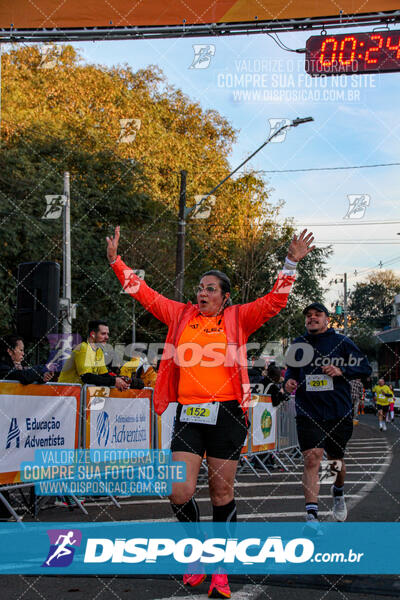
pixel 372 491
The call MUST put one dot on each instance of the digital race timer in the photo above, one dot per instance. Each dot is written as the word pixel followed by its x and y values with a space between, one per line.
pixel 374 52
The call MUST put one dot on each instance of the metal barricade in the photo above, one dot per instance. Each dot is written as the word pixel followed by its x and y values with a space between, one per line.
pixel 28 423
pixel 280 444
pixel 66 422
pixel 288 445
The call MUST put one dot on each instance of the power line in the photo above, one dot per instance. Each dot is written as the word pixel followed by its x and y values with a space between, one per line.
pixel 380 265
pixel 367 242
pixel 347 223
pixel 395 164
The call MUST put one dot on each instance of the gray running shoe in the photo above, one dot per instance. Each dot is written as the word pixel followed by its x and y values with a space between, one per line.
pixel 312 528
pixel 339 509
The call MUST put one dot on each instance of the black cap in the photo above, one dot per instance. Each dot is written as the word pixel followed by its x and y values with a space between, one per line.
pixel 317 306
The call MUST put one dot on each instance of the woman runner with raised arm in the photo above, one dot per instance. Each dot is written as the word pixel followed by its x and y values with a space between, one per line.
pixel 207 369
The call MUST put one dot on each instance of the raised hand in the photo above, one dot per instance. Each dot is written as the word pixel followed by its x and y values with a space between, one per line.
pixel 300 246
pixel 112 245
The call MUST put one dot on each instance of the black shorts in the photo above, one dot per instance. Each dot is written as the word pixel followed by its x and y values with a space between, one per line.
pixel 331 435
pixel 384 408
pixel 224 440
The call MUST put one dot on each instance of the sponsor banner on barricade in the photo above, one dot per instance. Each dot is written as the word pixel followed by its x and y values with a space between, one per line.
pixel 165 426
pixel 263 425
pixel 246 447
pixel 35 417
pixel 129 548
pixel 117 420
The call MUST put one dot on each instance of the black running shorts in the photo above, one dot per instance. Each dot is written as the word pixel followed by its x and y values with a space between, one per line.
pixel 222 440
pixel 384 408
pixel 331 435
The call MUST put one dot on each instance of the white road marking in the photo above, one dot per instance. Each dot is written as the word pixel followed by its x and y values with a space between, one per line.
pixel 244 498
pixel 254 515
pixel 347 460
pixel 370 453
pixel 356 455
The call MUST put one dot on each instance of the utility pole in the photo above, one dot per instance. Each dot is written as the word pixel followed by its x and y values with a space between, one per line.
pixel 67 296
pixel 345 325
pixel 180 248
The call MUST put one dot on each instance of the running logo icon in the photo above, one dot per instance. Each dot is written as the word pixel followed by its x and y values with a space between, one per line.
pixel 13 433
pixel 62 547
pixel 54 206
pixel 358 204
pixel 274 126
pixel 131 285
pixel 103 428
pixel 203 54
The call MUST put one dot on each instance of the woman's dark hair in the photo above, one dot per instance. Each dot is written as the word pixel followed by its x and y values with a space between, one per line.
pixel 222 278
pixel 8 342
pixel 224 282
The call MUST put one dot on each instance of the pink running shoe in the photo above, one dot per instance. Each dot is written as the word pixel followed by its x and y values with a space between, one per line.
pixel 219 587
pixel 194 579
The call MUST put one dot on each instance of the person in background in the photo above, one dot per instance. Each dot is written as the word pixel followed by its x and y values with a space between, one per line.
pixel 254 372
pixel 361 405
pixel 139 367
pixel 86 365
pixel 272 385
pixel 357 394
pixel 382 394
pixel 390 414
pixel 13 367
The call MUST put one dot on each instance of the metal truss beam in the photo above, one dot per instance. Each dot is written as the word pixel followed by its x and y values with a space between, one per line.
pixel 204 30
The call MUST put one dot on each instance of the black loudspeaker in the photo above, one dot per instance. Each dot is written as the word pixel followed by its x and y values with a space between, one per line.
pixel 38 299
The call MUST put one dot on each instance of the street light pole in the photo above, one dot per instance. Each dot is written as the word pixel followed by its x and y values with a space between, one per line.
pixel 294 123
pixel 185 212
pixel 180 247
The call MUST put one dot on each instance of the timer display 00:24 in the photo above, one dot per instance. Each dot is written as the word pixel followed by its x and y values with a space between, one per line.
pixel 374 52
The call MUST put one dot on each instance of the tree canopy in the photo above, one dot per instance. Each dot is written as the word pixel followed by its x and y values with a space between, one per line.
pixel 124 136
pixel 371 307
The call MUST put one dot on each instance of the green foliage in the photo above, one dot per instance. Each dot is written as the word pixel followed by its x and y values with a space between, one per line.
pixel 372 302
pixel 371 308
pixel 69 119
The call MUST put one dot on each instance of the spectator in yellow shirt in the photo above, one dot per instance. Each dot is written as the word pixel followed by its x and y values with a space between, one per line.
pixel 139 367
pixel 86 363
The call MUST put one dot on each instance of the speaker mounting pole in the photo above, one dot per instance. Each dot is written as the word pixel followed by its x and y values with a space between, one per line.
pixel 67 296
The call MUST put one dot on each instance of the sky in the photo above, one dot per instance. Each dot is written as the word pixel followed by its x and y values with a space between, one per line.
pixel 250 80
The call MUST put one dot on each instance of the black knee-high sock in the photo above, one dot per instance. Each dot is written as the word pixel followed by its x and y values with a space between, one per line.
pixel 188 512
pixel 226 513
